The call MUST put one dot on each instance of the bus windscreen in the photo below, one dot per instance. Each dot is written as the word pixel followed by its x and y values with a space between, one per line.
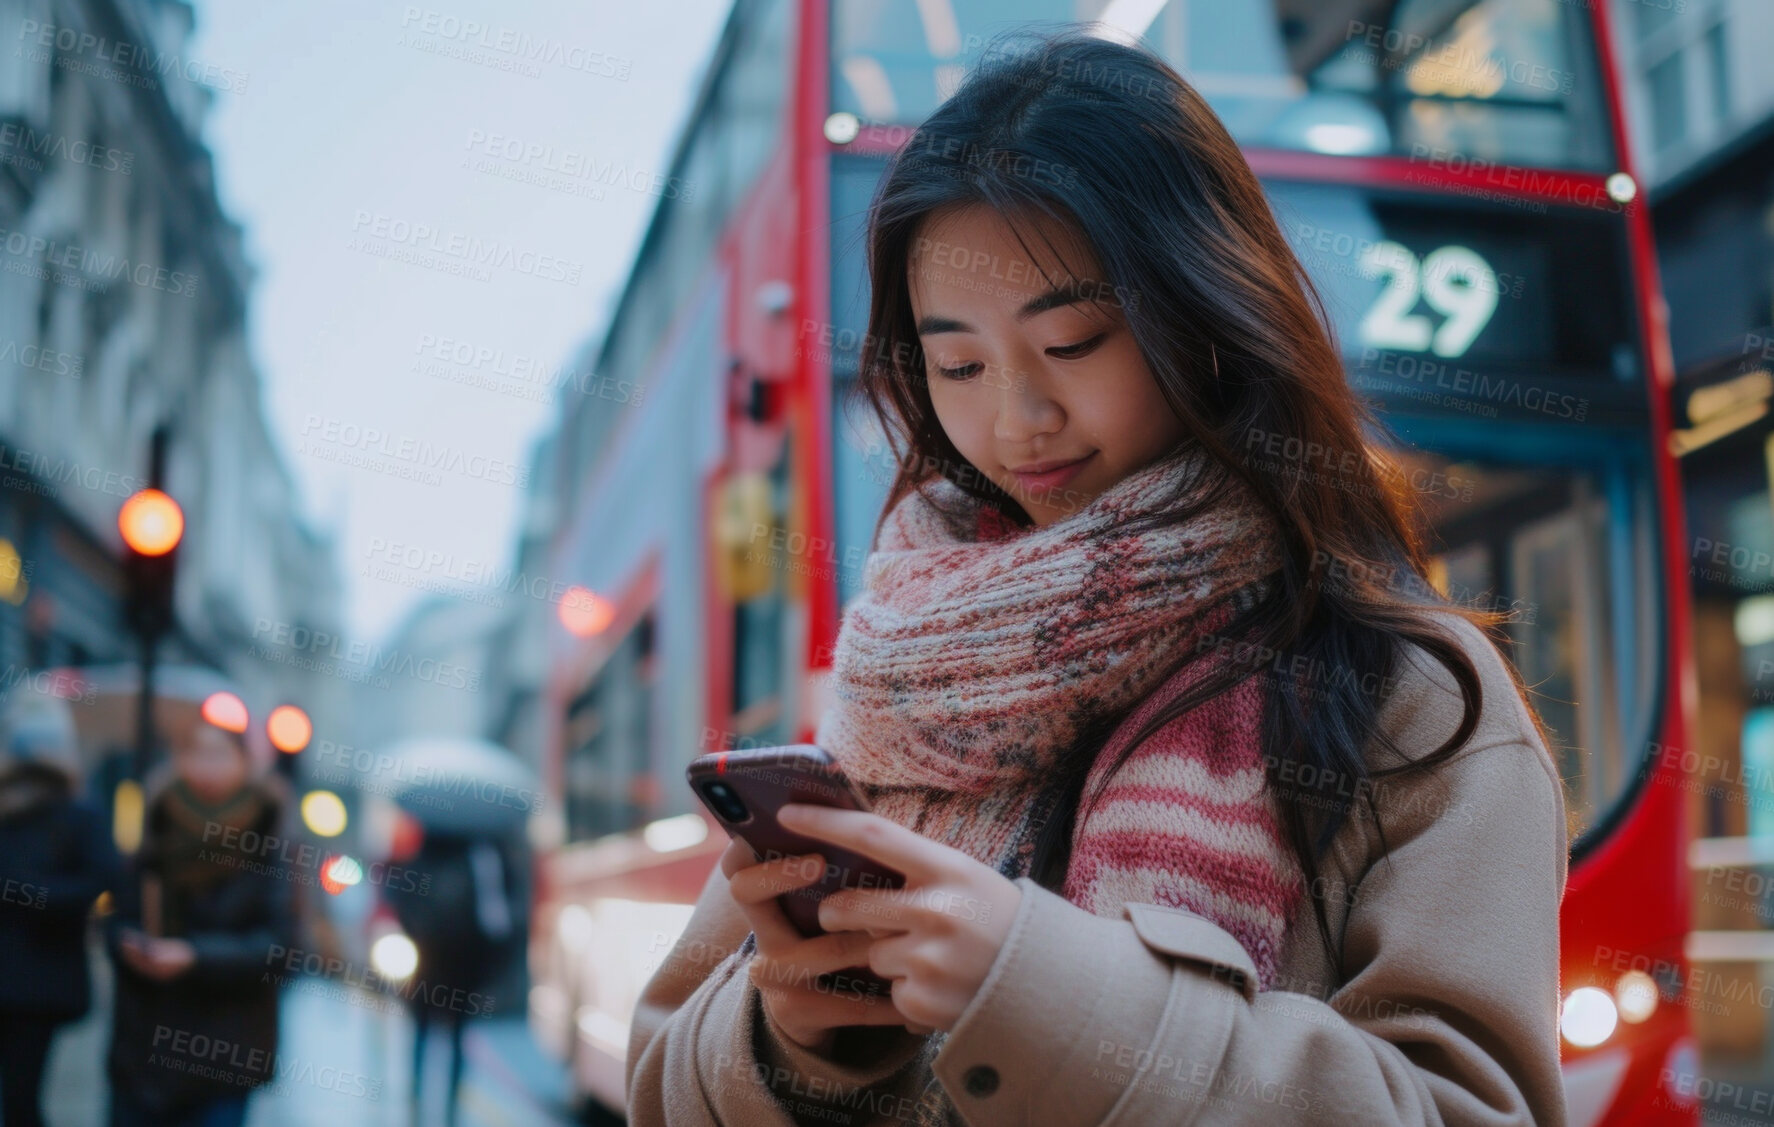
pixel 1508 82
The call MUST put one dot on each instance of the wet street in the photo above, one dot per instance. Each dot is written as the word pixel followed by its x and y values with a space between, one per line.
pixel 345 1061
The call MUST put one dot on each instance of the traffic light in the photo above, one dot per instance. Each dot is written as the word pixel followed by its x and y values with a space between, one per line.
pixel 289 730
pixel 151 523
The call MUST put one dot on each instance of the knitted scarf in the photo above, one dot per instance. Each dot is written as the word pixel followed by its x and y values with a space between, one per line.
pixel 186 852
pixel 979 653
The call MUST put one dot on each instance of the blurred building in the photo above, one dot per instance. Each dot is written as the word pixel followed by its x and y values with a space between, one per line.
pixel 430 677
pixel 122 311
pixel 517 649
pixel 1700 100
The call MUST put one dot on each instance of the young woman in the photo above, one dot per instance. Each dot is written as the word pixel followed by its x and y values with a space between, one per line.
pixel 195 1026
pixel 1210 810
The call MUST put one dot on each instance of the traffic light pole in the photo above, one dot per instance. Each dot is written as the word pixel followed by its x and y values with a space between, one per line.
pixel 148 631
pixel 145 708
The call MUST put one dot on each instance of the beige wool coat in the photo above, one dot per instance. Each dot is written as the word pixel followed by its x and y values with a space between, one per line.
pixel 1443 1010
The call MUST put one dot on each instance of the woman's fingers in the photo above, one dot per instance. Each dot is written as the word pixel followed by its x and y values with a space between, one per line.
pixel 738 855
pixel 834 951
pixel 755 889
pixel 806 1008
pixel 766 880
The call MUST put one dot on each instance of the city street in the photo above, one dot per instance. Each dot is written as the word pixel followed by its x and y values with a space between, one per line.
pixel 345 1063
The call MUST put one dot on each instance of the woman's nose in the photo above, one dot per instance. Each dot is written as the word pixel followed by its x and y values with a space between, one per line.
pixel 1025 410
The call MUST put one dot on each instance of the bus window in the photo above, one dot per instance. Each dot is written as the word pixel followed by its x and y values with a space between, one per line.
pixel 1510 82
pixel 608 730
pixel 1567 553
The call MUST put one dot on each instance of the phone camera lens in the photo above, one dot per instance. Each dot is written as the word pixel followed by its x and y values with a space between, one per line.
pixel 726 802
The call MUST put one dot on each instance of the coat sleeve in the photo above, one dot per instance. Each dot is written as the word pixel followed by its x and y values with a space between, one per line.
pixel 1446 1013
pixel 93 868
pixel 702 1052
pixel 241 956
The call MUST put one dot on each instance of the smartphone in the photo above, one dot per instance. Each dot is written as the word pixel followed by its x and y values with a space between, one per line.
pixel 744 790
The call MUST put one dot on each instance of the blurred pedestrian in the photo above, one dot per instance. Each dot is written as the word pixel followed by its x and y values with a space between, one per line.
pixel 195 1029
pixel 55 859
pixel 459 916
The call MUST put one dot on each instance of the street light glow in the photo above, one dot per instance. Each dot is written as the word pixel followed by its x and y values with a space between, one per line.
pixel 226 711
pixel 583 613
pixel 394 956
pixel 289 728
pixel 324 813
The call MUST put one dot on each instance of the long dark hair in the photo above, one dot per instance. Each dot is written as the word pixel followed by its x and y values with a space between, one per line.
pixel 1108 140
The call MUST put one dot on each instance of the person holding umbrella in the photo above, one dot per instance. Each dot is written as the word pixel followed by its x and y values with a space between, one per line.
pixel 470 800
pixel 458 917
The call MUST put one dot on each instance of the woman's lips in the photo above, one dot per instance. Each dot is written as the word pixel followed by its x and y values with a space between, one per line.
pixel 1054 478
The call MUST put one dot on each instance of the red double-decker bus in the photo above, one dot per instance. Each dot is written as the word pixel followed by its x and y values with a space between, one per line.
pixel 1454 175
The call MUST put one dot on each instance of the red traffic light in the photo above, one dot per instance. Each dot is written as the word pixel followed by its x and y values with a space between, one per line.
pixel 151 522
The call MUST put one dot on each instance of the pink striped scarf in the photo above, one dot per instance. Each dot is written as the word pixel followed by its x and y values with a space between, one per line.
pixel 979 652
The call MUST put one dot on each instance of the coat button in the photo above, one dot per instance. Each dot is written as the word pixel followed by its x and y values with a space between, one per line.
pixel 981 1080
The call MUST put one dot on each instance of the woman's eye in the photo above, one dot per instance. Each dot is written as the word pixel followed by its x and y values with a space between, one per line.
pixel 960 373
pixel 1075 351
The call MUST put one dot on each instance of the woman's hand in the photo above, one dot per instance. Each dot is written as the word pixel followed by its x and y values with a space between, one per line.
pixel 788 966
pixel 938 936
pixel 159 959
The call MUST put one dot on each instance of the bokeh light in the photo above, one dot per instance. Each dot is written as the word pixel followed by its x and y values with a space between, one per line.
pixel 323 812
pixel 151 522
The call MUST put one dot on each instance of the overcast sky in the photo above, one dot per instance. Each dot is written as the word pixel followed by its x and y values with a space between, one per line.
pixel 368 135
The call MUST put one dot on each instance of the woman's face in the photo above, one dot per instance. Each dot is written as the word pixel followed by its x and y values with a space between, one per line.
pixel 211 765
pixel 1029 365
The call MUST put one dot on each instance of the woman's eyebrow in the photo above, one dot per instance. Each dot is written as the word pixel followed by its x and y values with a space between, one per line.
pixel 1060 295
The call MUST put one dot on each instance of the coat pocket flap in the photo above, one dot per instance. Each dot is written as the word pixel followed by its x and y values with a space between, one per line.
pixel 1178 932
